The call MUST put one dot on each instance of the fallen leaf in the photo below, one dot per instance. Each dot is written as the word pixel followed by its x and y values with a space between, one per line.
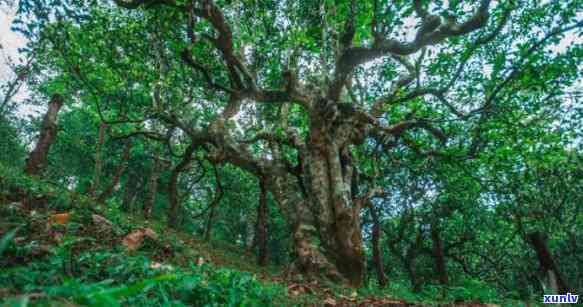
pixel 60 218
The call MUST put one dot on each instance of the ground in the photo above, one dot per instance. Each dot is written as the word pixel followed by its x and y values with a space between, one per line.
pixel 83 254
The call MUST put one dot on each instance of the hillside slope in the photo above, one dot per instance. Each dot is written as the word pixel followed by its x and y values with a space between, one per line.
pixel 82 254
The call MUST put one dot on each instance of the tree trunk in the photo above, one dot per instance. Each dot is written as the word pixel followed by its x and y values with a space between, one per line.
pixel 317 200
pixel 130 191
pixel 411 261
pixel 439 255
pixel 36 162
pixel 309 259
pixel 208 230
pixel 152 187
pixel 116 174
pixel 376 250
pixel 173 185
pixel 261 230
pixel 409 258
pixel 546 260
pixel 213 205
pixel 98 160
pixel 328 180
pixel 37 159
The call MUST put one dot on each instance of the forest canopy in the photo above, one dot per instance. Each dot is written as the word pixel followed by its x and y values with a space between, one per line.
pixel 428 143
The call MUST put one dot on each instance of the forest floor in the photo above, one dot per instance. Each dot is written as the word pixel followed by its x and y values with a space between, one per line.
pixel 101 256
pixel 82 258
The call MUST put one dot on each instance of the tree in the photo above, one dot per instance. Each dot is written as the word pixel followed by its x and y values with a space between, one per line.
pixel 297 93
pixel 37 159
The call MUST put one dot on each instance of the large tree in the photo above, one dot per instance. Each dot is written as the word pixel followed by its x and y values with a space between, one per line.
pixel 301 94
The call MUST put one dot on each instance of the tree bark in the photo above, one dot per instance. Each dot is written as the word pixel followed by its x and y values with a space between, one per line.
pixel 116 174
pixel 36 162
pixel 546 260
pixel 329 179
pixel 439 255
pixel 309 259
pixel 98 160
pixel 316 198
pixel 261 230
pixel 376 249
pixel 152 187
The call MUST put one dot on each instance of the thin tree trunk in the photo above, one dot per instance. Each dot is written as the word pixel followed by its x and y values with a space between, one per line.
pixel 36 162
pixel 217 198
pixel 376 250
pixel 117 174
pixel 173 185
pixel 152 187
pixel 409 259
pixel 439 255
pixel 546 260
pixel 208 230
pixel 411 262
pixel 261 230
pixel 130 191
pixel 98 160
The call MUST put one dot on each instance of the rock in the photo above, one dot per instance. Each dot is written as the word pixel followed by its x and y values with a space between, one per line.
pixel 160 266
pixel 135 239
pixel 148 232
pixel 103 224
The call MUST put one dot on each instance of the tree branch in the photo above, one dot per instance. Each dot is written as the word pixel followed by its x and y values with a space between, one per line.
pixel 431 32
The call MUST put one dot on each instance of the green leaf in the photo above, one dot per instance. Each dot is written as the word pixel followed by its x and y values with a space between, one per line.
pixel 7 238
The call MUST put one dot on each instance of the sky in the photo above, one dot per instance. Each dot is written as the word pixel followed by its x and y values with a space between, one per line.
pixel 10 41
pixel 9 44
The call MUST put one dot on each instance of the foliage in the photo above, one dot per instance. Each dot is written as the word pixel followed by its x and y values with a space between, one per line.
pixel 115 279
pixel 458 123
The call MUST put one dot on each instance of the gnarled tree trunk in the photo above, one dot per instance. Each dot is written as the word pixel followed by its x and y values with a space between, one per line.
pixel 329 180
pixel 309 259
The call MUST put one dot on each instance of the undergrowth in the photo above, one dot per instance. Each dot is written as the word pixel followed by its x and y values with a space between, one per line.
pixel 81 264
